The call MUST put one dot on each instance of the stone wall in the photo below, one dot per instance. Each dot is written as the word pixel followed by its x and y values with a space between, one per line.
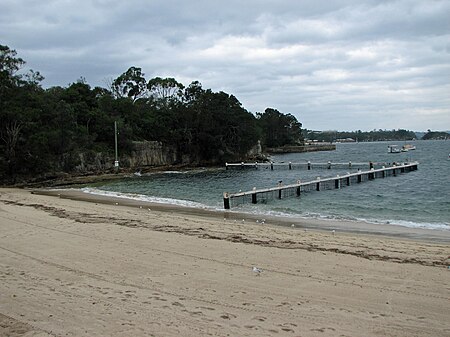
pixel 303 148
pixel 152 153
pixel 94 161
pixel 145 153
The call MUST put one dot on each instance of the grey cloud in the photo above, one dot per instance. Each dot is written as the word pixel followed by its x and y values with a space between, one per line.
pixel 343 64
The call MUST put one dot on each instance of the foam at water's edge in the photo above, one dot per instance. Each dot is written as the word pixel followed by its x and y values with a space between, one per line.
pixel 409 224
pixel 146 198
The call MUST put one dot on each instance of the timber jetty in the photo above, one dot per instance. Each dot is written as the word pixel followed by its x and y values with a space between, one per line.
pixel 305 165
pixel 319 184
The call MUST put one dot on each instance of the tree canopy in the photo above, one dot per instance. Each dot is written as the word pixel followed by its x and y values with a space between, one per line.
pixel 47 130
pixel 279 129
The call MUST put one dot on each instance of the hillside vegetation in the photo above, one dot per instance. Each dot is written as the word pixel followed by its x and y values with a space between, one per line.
pixel 46 130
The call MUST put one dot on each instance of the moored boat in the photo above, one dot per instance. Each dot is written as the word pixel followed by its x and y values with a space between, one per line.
pixel 393 149
pixel 408 147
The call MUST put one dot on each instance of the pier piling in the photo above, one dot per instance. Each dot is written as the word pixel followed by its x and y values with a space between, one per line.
pixel 226 200
pixel 337 183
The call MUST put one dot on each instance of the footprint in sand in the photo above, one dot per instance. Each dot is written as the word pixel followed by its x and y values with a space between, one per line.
pixel 227 315
pixel 323 329
pixel 288 327
pixel 207 308
pixel 283 304
pixel 196 313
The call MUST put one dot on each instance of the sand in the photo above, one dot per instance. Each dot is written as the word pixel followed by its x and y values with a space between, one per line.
pixel 86 266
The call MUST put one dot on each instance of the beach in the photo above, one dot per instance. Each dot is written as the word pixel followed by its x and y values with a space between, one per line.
pixel 73 264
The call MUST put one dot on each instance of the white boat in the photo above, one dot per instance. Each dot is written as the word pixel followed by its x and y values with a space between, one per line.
pixel 408 147
pixel 393 149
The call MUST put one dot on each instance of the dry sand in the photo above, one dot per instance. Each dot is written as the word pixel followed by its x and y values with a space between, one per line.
pixel 93 268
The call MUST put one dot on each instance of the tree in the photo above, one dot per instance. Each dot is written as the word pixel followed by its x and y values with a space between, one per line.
pixel 279 129
pixel 193 92
pixel 10 135
pixel 18 98
pixel 215 125
pixel 9 66
pixel 33 78
pixel 130 84
pixel 165 90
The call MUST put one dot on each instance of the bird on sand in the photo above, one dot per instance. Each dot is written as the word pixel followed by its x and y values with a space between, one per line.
pixel 257 270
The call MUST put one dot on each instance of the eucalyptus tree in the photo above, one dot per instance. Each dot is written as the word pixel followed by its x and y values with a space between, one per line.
pixel 165 90
pixel 131 84
pixel 10 64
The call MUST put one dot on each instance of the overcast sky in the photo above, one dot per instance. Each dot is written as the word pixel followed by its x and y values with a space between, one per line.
pixel 334 64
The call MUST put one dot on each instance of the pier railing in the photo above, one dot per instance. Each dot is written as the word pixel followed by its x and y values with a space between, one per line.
pixel 305 165
pixel 283 191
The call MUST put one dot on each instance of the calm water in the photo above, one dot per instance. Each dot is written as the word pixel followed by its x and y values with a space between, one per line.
pixel 416 199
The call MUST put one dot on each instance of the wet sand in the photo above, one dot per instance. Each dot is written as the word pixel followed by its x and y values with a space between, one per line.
pixel 80 265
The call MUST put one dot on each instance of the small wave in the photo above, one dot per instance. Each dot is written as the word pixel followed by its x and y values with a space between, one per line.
pixel 146 198
pixel 193 171
pixel 318 216
pixel 410 224
pixel 288 214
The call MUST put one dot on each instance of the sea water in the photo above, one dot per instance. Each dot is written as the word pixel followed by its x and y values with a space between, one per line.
pixel 416 199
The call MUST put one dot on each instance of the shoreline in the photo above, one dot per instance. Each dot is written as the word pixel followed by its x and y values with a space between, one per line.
pixel 82 265
pixel 352 227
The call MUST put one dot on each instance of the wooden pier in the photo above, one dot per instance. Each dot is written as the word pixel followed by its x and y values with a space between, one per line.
pixel 337 182
pixel 304 165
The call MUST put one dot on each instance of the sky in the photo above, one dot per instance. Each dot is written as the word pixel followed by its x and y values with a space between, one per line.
pixel 334 64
